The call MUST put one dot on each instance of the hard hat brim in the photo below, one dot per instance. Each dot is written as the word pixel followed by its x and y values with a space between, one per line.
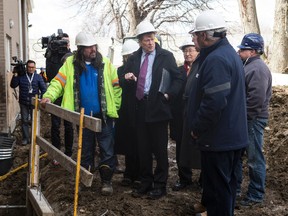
pixel 149 32
pixel 187 45
pixel 206 29
pixel 191 31
pixel 243 47
pixel 88 44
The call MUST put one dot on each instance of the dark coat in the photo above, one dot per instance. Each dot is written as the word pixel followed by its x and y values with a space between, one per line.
pixel 217 101
pixel 38 86
pixel 54 62
pixel 176 124
pixel 189 152
pixel 258 80
pixel 157 107
pixel 125 134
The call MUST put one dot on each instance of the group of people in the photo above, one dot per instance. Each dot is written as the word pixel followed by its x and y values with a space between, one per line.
pixel 216 105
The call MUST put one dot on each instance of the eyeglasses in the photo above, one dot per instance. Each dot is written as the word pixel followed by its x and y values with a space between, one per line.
pixel 189 51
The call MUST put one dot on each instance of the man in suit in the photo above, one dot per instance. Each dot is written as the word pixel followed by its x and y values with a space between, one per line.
pixel 150 107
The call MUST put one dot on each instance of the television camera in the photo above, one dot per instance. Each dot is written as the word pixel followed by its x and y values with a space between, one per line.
pixel 19 66
pixel 54 44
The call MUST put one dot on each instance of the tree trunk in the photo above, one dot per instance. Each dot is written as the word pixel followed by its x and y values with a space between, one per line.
pixel 249 16
pixel 279 50
pixel 134 16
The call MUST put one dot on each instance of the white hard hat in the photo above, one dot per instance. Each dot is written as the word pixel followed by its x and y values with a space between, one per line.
pixel 208 20
pixel 129 47
pixel 85 39
pixel 144 27
pixel 187 42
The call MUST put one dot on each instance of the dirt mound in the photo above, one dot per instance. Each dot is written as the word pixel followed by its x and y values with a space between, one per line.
pixel 58 185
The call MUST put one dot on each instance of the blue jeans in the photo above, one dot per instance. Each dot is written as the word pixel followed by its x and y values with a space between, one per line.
pixel 25 110
pixel 256 161
pixel 105 141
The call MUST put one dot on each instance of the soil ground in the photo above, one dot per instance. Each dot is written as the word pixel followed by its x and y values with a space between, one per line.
pixel 58 185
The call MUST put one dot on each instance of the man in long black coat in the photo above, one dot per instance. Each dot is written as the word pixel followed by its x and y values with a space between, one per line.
pixel 125 132
pixel 150 107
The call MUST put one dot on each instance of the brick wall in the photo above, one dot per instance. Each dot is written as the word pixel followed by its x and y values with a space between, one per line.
pixel 10 45
pixel 2 71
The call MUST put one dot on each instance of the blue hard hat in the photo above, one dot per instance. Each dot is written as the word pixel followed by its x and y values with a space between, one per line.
pixel 252 41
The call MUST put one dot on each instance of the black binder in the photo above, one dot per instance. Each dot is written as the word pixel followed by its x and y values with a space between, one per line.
pixel 165 81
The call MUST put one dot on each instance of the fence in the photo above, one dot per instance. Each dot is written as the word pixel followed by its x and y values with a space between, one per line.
pixel 36 203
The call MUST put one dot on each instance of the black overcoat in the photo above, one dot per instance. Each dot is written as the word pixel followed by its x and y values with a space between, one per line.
pixel 125 133
pixel 157 107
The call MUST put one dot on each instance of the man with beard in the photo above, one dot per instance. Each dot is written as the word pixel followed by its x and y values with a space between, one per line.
pixel 89 80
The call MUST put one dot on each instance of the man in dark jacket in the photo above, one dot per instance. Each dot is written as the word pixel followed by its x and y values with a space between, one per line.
pixel 54 61
pixel 190 52
pixel 29 84
pixel 125 133
pixel 154 80
pixel 217 114
pixel 258 81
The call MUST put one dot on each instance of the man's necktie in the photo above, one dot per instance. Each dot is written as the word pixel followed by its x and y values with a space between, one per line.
pixel 142 78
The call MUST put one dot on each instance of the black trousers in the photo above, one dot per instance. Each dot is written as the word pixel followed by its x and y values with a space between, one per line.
pixel 55 132
pixel 131 166
pixel 152 139
pixel 184 172
pixel 219 181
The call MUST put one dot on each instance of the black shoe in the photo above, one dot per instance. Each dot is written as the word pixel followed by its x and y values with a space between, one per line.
pixel 136 184
pixel 141 191
pixel 179 186
pixel 157 193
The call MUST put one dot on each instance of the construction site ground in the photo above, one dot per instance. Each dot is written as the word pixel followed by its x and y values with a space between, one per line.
pixel 58 185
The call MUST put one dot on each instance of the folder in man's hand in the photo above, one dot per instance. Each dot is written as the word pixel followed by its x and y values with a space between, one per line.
pixel 165 81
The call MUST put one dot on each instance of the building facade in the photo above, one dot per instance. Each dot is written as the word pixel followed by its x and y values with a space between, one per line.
pixel 13 42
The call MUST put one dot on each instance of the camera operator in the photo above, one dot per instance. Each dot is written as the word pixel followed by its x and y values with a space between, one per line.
pixel 53 64
pixel 30 83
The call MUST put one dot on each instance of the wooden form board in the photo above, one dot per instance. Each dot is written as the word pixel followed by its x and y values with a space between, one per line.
pixel 39 202
pixel 66 162
pixel 90 122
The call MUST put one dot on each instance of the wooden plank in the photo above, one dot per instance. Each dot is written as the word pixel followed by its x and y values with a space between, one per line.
pixel 66 162
pixel 39 202
pixel 90 122
pixel 34 150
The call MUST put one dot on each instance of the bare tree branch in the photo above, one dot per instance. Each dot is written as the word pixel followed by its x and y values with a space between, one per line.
pixel 124 16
